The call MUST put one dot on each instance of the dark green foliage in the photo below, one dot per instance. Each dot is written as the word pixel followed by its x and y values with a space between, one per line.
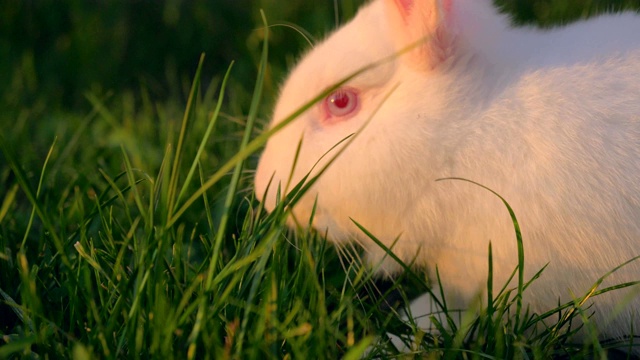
pixel 61 49
pixel 555 12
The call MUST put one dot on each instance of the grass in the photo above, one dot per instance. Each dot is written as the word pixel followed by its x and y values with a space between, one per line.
pixel 134 233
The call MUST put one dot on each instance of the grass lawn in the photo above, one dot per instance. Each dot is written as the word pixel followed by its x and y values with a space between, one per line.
pixel 130 230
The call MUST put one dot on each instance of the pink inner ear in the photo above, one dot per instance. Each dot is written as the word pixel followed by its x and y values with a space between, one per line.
pixel 404 7
pixel 446 5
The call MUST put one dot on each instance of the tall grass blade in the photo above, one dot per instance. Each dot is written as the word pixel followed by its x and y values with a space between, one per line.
pixel 207 134
pixel 221 231
pixel 519 242
pixel 191 104
pixel 33 199
pixel 33 211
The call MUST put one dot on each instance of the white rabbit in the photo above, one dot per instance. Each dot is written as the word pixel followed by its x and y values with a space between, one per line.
pixel 549 119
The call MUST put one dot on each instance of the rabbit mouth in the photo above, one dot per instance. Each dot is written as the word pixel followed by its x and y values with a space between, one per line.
pixel 309 214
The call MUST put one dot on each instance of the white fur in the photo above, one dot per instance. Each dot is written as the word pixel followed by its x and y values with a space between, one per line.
pixel 548 119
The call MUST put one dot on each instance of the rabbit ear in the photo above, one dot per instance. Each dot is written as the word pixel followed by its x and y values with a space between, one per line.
pixel 425 24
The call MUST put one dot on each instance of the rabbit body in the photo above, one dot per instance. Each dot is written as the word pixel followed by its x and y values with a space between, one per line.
pixel 548 119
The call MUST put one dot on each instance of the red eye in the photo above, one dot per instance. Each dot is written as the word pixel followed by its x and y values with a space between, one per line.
pixel 341 103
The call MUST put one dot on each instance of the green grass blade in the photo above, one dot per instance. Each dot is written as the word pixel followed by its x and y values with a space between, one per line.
pixel 33 211
pixel 191 103
pixel 253 110
pixel 304 33
pixel 516 227
pixel 205 200
pixel 33 199
pixel 207 134
pixel 21 344
pixel 257 96
pixel 133 186
pixel 9 199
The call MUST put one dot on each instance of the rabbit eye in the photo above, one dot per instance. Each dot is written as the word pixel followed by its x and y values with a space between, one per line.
pixel 341 103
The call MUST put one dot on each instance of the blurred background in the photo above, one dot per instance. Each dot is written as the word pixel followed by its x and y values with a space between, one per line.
pixel 53 52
